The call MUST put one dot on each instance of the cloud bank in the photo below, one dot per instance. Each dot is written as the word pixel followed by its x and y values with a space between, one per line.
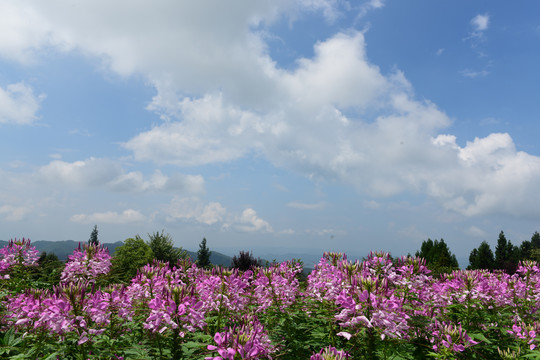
pixel 334 116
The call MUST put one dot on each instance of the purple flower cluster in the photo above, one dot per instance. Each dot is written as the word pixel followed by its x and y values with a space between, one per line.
pixel 165 300
pixel 17 252
pixel 330 353
pixel 86 264
pixel 384 297
pixel 248 340
pixel 376 300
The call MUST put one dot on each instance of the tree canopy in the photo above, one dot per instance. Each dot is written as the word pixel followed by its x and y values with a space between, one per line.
pixel 163 248
pixel 245 261
pixel 438 257
pixel 481 258
pixel 130 257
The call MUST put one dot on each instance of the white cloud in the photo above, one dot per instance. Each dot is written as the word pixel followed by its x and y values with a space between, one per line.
pixel 110 217
pixel 194 209
pixel 248 221
pixel 109 175
pixel 369 5
pixel 474 74
pixel 334 117
pixel 480 22
pixel 304 206
pixel 13 213
pixel 18 104
pixel 489 176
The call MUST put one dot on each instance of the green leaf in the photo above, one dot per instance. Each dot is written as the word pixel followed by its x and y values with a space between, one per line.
pixel 480 336
pixel 53 356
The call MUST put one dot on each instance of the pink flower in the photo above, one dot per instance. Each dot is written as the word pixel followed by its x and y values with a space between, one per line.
pixel 86 264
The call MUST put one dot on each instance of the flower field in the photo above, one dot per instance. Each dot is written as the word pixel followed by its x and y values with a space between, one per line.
pixel 375 309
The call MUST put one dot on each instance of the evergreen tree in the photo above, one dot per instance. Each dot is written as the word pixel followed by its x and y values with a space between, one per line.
pixel 438 257
pixel 481 258
pixel 525 250
pixel 507 255
pixel 203 255
pixel 535 240
pixel 164 250
pixel 245 261
pixel 501 251
pixel 94 237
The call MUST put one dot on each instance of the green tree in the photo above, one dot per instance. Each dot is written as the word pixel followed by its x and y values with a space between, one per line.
pixel 438 257
pixel 94 237
pixel 507 255
pixel 47 274
pixel 501 251
pixel 525 250
pixel 481 258
pixel 203 255
pixel 245 261
pixel 164 250
pixel 535 240
pixel 130 257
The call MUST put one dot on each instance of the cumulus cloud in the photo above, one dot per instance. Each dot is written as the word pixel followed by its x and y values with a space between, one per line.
pixel 248 221
pixel 194 209
pixel 18 104
pixel 480 22
pixel 110 217
pixel 108 174
pixel 488 176
pixel 334 116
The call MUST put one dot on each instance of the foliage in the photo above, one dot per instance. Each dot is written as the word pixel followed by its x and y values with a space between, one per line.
pixel 481 258
pixel 380 308
pixel 129 258
pixel 203 255
pixel 506 255
pixel 15 258
pixel 94 237
pixel 438 257
pixel 163 248
pixel 47 273
pixel 245 261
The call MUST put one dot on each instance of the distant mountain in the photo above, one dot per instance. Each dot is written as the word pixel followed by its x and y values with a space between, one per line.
pixel 64 248
pixel 216 258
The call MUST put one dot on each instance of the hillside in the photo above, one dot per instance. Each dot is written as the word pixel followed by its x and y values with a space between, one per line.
pixel 64 248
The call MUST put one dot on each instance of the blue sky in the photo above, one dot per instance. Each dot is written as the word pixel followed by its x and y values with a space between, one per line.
pixel 274 126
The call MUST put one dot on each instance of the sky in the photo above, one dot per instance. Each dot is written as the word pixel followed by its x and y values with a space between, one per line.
pixel 276 126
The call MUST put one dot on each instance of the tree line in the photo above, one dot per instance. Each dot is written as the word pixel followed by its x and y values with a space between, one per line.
pixel 135 253
pixel 506 257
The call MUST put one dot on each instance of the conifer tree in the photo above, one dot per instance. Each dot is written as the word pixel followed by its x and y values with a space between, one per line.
pixel 163 248
pixel 481 258
pixel 203 255
pixel 94 237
